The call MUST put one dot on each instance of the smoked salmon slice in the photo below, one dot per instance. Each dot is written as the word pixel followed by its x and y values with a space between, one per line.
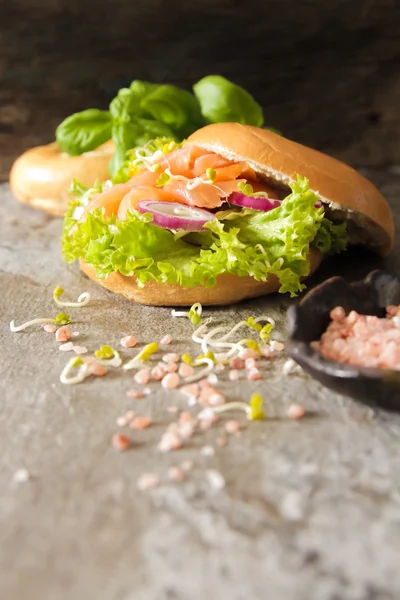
pixel 145 192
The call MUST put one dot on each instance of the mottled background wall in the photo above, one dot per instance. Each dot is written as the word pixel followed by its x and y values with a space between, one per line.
pixel 327 73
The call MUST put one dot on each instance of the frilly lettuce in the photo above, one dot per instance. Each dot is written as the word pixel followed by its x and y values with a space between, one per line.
pixel 240 242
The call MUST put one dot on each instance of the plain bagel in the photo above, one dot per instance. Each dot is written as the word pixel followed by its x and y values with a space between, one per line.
pixel 41 176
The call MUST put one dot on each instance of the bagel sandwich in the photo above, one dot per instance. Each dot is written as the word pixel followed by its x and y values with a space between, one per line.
pixel 234 212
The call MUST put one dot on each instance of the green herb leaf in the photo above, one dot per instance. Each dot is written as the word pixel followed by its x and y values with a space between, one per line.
pixel 221 101
pixel 84 131
pixel 175 107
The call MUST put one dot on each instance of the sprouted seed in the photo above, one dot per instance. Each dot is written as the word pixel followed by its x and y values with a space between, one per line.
pixel 61 319
pixel 83 299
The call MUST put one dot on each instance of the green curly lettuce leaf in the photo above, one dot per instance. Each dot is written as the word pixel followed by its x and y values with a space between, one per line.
pixel 240 242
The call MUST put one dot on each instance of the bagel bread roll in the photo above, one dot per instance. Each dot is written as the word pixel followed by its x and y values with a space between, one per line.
pixel 41 176
pixel 229 289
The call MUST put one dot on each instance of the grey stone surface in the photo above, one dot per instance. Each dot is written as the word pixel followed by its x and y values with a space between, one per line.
pixel 310 510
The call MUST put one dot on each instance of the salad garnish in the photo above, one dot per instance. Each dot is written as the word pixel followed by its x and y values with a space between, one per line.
pixel 61 319
pixel 83 299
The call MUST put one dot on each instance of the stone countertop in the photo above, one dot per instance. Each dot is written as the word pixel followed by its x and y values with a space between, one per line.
pixel 310 509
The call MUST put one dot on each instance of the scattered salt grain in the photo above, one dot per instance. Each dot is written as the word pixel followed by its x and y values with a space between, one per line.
pixel 172 366
pixel 140 422
pixel 75 334
pixel 79 349
pixel 206 414
pixel 191 390
pixel 129 341
pixel 185 370
pixel 172 409
pixel 246 353
pixel 49 328
pixel 67 347
pixel 134 394
pixel 187 465
pixel 237 363
pixel 216 399
pixel 21 476
pixel 157 373
pixel 170 381
pixel 266 352
pixel 176 474
pixel 288 367
pixel 63 334
pixel 186 430
pixel 212 378
pixel 207 451
pixel 191 401
pixel 277 346
pixel 170 357
pixel 232 426
pixel 170 441
pixel 148 481
pixel 296 411
pixel 221 442
pixel 250 363
pixel 120 442
pixel 233 375
pixel 215 479
pixel 167 339
pixel 142 376
pixel 206 424
pixel 146 391
pixel 254 374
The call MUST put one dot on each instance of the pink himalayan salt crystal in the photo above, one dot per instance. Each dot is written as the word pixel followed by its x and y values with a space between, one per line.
pixel 277 346
pixel 148 481
pixel 170 381
pixel 250 363
pixel 206 393
pixel 94 367
pixel 254 375
pixel 167 339
pixel 170 441
pixel 125 419
pixel 187 465
pixel 233 375
pixel 63 334
pixel 49 327
pixel 157 373
pixel 221 442
pixel 186 430
pixel 140 422
pixel 185 417
pixel 232 426
pixel 66 347
pixel 207 451
pixel 337 313
pixel 266 352
pixel 134 394
pixel 176 474
pixel 185 370
pixel 172 409
pixel 129 341
pixel 142 376
pixel 237 363
pixel 172 366
pixel 171 357
pixel 191 389
pixel 216 399
pixel 206 424
pixel 120 442
pixel 79 349
pixel 246 353
pixel 296 411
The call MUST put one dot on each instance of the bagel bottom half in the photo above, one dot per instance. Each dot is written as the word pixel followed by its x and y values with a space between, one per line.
pixel 229 289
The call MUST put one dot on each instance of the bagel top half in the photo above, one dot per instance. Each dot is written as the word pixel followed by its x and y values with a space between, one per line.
pixel 41 176
pixel 345 193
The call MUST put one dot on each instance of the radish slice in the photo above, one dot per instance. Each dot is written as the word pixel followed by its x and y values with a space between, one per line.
pixel 173 215
pixel 255 202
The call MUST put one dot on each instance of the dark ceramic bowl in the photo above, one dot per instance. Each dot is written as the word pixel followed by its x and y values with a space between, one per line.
pixel 310 318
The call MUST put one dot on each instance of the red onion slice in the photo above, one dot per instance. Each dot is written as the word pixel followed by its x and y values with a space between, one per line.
pixel 254 202
pixel 172 215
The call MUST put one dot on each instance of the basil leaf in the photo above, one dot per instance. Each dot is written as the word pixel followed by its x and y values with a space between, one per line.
pixel 127 104
pixel 221 101
pixel 84 131
pixel 176 107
